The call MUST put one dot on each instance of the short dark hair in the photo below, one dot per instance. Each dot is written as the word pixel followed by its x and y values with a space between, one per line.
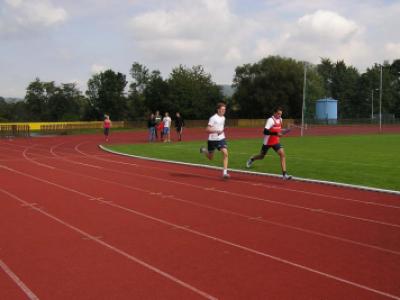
pixel 278 109
pixel 220 104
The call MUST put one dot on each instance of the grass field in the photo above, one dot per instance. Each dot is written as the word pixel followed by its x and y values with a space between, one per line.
pixel 368 160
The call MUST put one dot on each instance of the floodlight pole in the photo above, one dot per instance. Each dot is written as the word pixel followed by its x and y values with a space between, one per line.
pixel 303 108
pixel 372 105
pixel 380 102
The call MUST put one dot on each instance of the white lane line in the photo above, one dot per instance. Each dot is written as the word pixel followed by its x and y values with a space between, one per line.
pixel 264 221
pixel 52 151
pixel 31 295
pixel 96 239
pixel 245 182
pixel 314 209
pixel 332 183
pixel 284 261
pixel 259 199
pixel 97 157
pixel 213 238
pixel 25 155
pixel 324 195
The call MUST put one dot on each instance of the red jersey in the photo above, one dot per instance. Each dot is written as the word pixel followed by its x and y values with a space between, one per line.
pixel 273 125
pixel 107 123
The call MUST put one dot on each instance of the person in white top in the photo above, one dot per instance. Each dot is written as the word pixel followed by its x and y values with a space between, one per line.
pixel 167 126
pixel 216 138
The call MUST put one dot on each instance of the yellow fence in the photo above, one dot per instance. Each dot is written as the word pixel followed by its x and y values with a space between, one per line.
pixel 24 128
pixel 79 125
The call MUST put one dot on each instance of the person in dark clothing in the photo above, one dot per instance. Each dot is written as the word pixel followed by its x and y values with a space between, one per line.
pixel 158 120
pixel 151 124
pixel 179 124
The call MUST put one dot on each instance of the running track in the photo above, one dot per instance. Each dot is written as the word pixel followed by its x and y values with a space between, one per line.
pixel 79 223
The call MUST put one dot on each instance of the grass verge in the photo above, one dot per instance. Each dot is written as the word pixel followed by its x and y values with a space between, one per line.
pixel 368 160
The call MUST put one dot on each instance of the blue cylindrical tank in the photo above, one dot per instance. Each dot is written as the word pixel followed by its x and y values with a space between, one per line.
pixel 326 109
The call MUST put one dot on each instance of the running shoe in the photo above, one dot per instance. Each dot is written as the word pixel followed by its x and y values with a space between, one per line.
pixel 286 177
pixel 249 163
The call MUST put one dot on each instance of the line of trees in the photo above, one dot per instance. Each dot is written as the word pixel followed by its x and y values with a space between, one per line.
pixel 259 88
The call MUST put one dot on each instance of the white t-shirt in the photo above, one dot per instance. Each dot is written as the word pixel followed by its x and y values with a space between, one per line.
pixel 217 123
pixel 167 122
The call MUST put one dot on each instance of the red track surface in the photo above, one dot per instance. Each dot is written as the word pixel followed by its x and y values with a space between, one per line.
pixel 78 223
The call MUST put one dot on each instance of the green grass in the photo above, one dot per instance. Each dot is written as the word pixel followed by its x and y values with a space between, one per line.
pixel 369 160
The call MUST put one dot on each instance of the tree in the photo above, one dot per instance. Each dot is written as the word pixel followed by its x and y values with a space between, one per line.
pixel 36 100
pixel 65 103
pixel 4 108
pixel 156 93
pixel 137 106
pixel 140 76
pixel 326 70
pixel 191 92
pixel 106 95
pixel 273 81
pixel 395 84
pixel 345 89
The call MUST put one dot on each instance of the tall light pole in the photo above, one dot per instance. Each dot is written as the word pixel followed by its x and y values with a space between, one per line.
pixel 380 101
pixel 372 105
pixel 372 102
pixel 303 108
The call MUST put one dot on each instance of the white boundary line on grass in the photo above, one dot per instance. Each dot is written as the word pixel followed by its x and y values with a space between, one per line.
pixel 346 185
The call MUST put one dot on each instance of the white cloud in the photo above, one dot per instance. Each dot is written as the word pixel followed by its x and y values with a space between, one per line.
pixel 22 15
pixel 96 68
pixel 218 34
pixel 314 35
pixel 393 50
pixel 326 25
pixel 233 55
pixel 203 32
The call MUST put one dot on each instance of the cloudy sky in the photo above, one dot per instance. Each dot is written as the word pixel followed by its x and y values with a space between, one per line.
pixel 70 40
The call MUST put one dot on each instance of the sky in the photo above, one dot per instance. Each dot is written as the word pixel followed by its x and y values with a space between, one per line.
pixel 69 40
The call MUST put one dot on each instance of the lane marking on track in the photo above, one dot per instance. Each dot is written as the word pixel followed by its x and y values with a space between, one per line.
pixel 99 157
pixel 255 184
pixel 220 240
pixel 332 183
pixel 316 210
pixel 248 182
pixel 31 295
pixel 25 155
pixel 98 240
pixel 52 151
pixel 233 213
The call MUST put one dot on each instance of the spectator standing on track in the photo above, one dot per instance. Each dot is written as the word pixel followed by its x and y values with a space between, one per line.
pixel 179 124
pixel 272 133
pixel 158 121
pixel 167 126
pixel 151 124
pixel 106 126
pixel 216 138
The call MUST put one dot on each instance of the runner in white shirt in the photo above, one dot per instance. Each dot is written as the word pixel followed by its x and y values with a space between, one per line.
pixel 167 126
pixel 216 138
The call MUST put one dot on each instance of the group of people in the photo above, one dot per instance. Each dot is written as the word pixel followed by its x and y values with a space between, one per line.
pixel 272 132
pixel 160 128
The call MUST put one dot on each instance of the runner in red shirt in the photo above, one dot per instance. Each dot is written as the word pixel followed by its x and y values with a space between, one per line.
pixel 272 133
pixel 106 126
